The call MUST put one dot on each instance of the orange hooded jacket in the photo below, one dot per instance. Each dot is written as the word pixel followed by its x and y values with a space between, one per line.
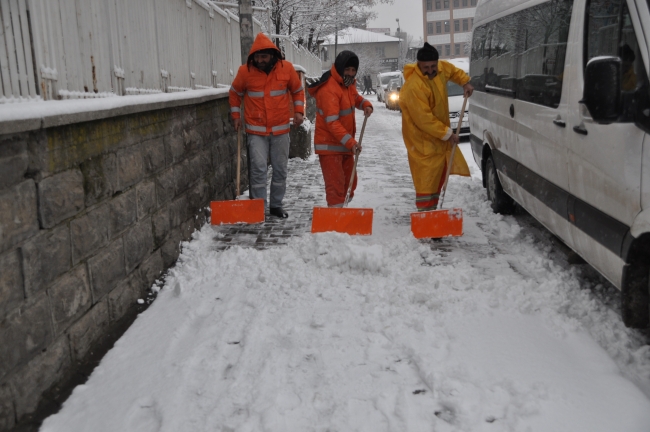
pixel 335 121
pixel 267 98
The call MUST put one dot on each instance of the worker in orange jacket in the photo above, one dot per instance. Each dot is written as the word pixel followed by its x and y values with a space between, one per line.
pixel 268 85
pixel 336 97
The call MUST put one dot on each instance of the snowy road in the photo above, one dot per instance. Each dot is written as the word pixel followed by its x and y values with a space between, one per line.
pixel 487 332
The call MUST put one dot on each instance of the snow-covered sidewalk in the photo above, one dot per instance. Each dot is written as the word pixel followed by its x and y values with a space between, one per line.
pixel 486 332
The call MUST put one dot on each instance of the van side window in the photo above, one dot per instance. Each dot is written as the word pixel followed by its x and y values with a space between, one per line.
pixel 522 55
pixel 542 44
pixel 609 32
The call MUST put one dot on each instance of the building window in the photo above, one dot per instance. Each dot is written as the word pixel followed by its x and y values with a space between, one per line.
pixel 446 26
pixel 447 50
pixel 471 23
pixel 456 26
pixel 430 5
pixel 473 2
pixel 379 51
pixel 445 4
pixel 438 27
pixel 437 4
pixel 439 49
pixel 456 4
pixel 457 49
pixel 429 28
pixel 464 3
pixel 465 27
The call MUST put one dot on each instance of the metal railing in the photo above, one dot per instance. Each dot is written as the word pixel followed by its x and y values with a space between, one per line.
pixel 99 48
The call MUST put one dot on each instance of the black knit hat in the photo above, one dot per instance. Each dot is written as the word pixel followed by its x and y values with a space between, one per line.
pixel 427 53
pixel 346 59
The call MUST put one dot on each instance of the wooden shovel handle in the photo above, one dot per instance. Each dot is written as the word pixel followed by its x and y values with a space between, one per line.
pixel 238 160
pixel 451 157
pixel 354 168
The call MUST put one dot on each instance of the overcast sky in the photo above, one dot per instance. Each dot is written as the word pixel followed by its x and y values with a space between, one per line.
pixel 409 13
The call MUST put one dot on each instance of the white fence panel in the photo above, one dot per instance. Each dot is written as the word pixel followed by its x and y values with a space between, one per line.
pixel 18 76
pixel 200 19
pixel 173 48
pixel 94 63
pixel 54 49
pixel 221 48
pixel 138 44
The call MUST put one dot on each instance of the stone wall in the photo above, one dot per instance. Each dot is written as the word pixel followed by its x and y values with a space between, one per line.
pixel 93 208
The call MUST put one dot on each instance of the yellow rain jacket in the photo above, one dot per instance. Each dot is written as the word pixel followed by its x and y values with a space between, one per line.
pixel 426 127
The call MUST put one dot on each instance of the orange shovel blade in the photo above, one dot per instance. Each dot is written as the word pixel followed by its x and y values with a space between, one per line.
pixel 437 223
pixel 353 221
pixel 235 211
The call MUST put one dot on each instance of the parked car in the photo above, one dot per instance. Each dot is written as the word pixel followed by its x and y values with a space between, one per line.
pixel 392 94
pixel 560 124
pixel 383 79
pixel 455 97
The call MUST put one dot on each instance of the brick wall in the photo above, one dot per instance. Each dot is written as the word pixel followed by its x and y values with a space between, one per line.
pixel 93 208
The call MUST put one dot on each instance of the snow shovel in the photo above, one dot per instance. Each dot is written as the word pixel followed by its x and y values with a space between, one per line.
pixel 441 223
pixel 237 211
pixel 353 221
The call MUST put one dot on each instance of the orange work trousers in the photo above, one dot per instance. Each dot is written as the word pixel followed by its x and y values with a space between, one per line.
pixel 337 170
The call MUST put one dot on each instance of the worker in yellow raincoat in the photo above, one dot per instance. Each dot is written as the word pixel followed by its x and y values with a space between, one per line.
pixel 425 124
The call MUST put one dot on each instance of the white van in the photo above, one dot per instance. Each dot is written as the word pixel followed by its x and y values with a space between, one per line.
pixel 455 97
pixel 560 122
pixel 383 79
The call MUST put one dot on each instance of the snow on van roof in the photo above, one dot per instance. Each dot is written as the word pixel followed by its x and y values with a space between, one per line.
pixel 487 10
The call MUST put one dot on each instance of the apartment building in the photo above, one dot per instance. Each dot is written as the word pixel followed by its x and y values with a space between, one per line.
pixel 448 25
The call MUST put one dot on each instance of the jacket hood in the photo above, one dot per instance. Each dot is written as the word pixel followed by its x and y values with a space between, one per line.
pixel 262 42
pixel 410 69
pixel 344 58
pixel 330 74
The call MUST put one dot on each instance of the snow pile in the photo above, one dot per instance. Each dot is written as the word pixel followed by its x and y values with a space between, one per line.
pixel 486 332
pixel 340 333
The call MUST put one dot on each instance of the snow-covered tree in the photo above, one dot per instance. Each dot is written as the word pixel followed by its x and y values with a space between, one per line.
pixel 308 21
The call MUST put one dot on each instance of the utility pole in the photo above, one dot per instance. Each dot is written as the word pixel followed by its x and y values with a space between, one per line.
pixel 336 39
pixel 399 44
pixel 245 28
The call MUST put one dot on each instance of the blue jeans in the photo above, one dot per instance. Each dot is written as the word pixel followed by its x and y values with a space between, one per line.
pixel 259 150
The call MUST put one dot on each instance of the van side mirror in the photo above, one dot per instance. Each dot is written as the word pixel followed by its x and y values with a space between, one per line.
pixel 602 91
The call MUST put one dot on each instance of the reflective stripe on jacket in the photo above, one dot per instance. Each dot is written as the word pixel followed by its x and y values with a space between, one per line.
pixel 267 98
pixel 335 121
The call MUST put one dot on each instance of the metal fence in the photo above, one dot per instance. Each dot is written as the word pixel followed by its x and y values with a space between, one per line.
pixel 61 49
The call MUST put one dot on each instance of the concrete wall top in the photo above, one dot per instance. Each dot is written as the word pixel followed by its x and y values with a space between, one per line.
pixel 28 116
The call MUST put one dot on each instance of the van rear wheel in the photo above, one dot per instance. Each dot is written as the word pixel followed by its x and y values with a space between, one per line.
pixel 499 200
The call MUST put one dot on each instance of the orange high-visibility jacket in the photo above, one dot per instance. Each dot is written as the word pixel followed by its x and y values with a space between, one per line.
pixel 267 98
pixel 335 121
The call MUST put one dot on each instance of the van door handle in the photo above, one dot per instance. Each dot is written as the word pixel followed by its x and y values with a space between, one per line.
pixel 560 123
pixel 580 129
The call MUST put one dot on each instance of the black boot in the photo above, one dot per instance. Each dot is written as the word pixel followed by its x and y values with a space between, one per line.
pixel 278 212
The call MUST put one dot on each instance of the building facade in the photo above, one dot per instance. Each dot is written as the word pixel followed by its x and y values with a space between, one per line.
pixel 448 25
pixel 377 52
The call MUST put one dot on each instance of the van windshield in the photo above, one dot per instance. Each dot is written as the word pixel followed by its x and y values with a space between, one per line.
pixel 385 79
pixel 454 89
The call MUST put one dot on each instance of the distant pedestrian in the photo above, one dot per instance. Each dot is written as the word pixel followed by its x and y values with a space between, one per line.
pixel 268 85
pixel 425 124
pixel 336 97
pixel 368 82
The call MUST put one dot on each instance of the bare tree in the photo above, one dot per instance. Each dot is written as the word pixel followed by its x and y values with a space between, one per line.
pixel 308 21
pixel 369 60
pixel 404 46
